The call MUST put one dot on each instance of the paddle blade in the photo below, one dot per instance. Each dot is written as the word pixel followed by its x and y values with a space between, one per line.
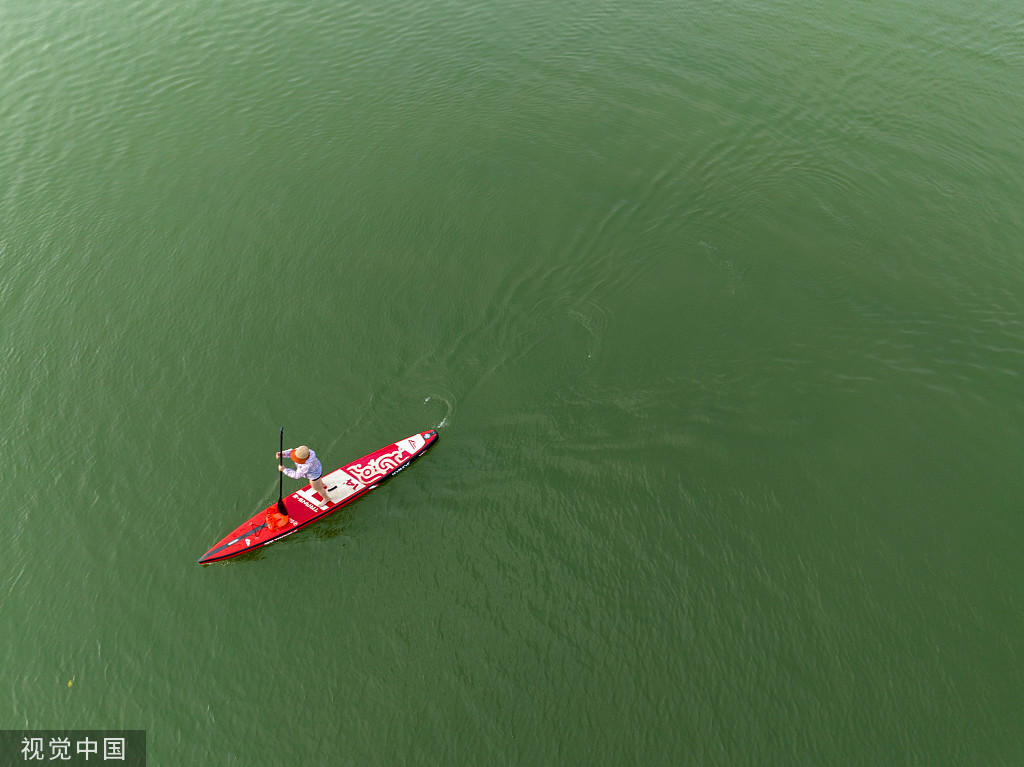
pixel 280 507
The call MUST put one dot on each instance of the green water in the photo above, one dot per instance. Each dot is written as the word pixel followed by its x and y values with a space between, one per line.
pixel 717 308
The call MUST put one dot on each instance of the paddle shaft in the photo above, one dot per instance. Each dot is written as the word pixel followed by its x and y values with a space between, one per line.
pixel 280 483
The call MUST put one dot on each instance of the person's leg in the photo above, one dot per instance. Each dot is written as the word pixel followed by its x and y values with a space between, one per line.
pixel 318 485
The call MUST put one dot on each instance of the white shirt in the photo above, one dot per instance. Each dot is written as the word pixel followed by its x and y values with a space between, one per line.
pixel 311 469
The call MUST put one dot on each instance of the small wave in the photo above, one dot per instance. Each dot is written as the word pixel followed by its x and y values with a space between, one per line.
pixel 448 412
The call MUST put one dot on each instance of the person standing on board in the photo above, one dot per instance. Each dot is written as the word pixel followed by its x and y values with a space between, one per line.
pixel 307 466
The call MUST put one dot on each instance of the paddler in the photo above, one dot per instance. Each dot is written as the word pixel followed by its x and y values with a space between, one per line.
pixel 307 466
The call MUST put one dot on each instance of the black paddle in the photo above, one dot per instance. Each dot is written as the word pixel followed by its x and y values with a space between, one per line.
pixel 280 485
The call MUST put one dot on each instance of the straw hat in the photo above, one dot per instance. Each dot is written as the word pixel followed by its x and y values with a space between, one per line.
pixel 300 454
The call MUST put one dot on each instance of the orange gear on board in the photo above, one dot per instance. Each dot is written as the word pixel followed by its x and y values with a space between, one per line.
pixel 275 519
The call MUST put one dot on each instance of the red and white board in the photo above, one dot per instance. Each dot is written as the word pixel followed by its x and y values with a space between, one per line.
pixel 304 506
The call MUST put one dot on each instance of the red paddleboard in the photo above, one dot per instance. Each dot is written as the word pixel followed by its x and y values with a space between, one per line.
pixel 304 506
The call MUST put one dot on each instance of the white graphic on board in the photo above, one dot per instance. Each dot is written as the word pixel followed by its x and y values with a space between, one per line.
pixel 312 498
pixel 377 467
